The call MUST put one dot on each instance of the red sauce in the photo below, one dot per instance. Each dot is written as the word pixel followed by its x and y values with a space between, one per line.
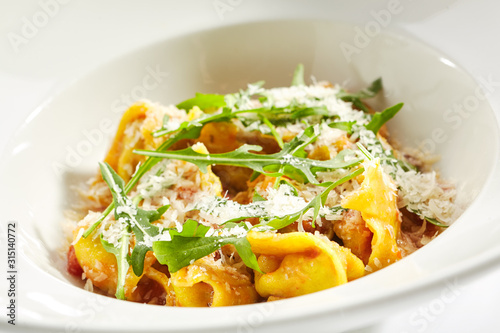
pixel 74 267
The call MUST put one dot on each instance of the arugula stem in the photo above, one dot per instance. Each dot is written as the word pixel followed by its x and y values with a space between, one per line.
pixel 122 265
pixel 279 140
pixel 267 164
pixel 315 203
pixel 298 76
pixel 148 164
pixel 277 180
pixel 99 221
pixel 365 151
pixel 137 199
pixel 275 134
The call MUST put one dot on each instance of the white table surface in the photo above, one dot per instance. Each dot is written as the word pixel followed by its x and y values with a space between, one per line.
pixel 79 35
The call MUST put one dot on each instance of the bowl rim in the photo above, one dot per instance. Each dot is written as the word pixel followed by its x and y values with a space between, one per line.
pixel 470 268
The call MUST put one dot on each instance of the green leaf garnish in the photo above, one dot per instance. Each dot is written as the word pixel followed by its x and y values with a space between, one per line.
pixel 204 102
pixel 275 134
pixel 189 131
pixel 316 203
pixel 436 222
pixel 287 183
pixel 121 254
pixel 343 125
pixel 136 219
pixel 142 229
pixel 355 98
pixel 380 118
pixel 302 112
pixel 298 76
pixel 192 244
pixel 286 162
pixel 257 197
pixel 186 247
pixel 237 100
pixel 194 126
pixel 376 148
pixel 365 152
pixel 371 91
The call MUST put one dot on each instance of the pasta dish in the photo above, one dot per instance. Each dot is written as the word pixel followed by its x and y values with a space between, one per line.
pixel 254 196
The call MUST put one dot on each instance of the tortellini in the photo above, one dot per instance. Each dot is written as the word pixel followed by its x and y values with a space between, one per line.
pixel 300 263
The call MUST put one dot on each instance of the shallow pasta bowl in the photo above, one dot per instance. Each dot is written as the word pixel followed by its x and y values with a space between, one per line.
pixel 61 145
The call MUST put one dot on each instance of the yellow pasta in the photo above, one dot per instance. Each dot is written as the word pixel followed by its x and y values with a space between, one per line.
pixel 298 263
pixel 204 283
pixel 376 199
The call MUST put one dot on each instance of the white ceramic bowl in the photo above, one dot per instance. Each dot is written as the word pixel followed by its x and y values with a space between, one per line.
pixel 61 145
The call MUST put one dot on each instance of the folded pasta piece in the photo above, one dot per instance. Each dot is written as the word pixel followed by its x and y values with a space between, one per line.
pixel 98 265
pixel 355 234
pixel 376 199
pixel 207 283
pixel 100 268
pixel 135 132
pixel 300 263
pixel 209 182
pixel 129 136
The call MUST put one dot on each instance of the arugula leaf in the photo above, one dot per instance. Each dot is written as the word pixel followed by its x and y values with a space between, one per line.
pixel 237 212
pixel 286 162
pixel 137 219
pixel 336 209
pixel 355 98
pixel 380 118
pixel 274 115
pixel 365 151
pixel 257 207
pixel 194 126
pixel 343 125
pixel 142 229
pixel 283 115
pixel 237 100
pixel 187 132
pixel 186 246
pixel 371 91
pixel 298 76
pixel 191 130
pixel 121 254
pixel 275 134
pixel 436 222
pixel 375 147
pixel 244 249
pixel 302 112
pixel 257 197
pixel 203 101
pixel 190 228
pixel 286 182
pixel 316 203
